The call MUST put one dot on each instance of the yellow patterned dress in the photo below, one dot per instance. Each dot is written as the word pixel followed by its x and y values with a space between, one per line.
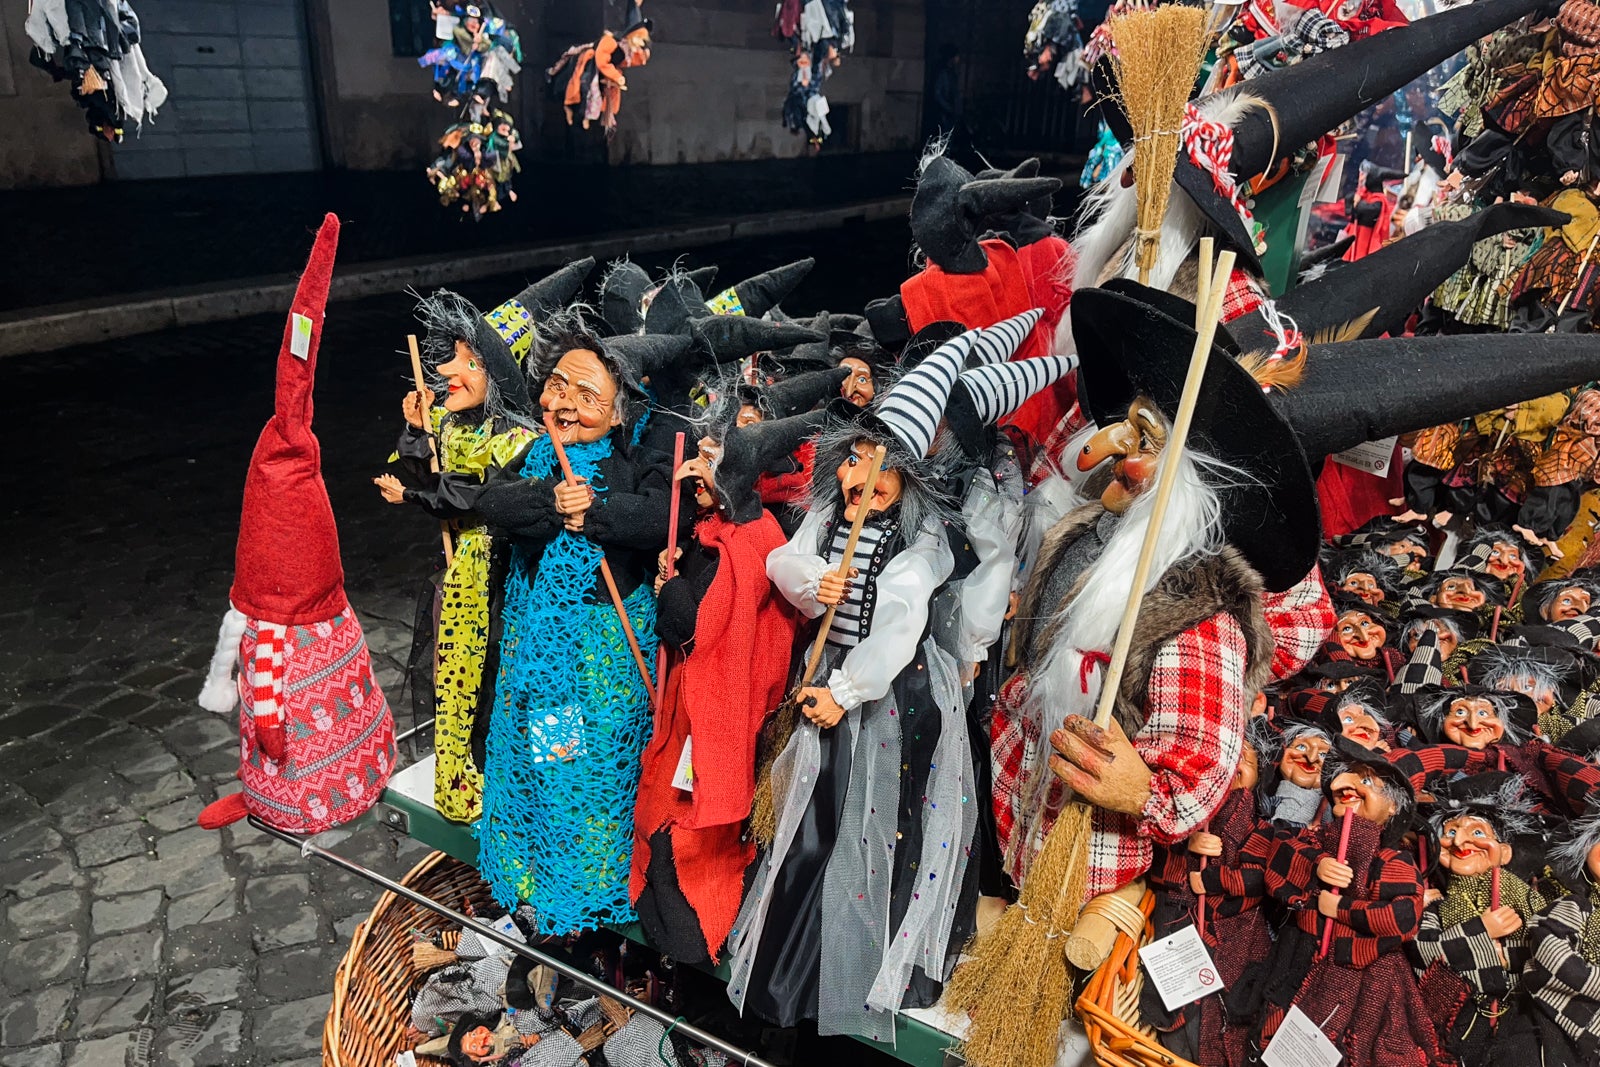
pixel 467 452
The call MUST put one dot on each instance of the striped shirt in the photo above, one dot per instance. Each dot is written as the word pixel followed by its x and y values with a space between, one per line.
pixel 853 617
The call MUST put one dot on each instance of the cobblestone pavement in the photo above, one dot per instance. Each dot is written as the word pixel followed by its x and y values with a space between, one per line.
pixel 130 937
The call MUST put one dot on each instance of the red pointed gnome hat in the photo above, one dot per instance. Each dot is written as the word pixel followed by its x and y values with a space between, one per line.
pixel 287 567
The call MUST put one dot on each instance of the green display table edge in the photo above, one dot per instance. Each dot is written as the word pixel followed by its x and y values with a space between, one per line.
pixel 407 806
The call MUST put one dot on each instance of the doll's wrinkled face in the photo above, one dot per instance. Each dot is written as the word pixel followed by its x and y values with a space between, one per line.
pixel 582 395
pixel 748 413
pixel 479 1045
pixel 1334 685
pixel 1362 789
pixel 1569 604
pixel 1363 586
pixel 859 388
pixel 1359 635
pixel 1302 761
pixel 1468 845
pixel 852 475
pixel 1543 697
pixel 1505 561
pixel 1473 722
pixel 705 481
pixel 466 380
pixel 1356 723
pixel 1447 640
pixel 1134 448
pixel 1459 591
pixel 1249 772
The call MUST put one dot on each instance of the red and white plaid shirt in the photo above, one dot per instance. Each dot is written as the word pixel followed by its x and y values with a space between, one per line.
pixel 1196 709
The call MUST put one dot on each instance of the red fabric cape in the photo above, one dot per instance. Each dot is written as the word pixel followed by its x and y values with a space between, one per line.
pixel 719 695
pixel 1369 238
pixel 999 291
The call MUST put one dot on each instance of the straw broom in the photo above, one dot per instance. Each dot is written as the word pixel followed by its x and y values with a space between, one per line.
pixel 764 812
pixel 1016 986
pixel 1157 58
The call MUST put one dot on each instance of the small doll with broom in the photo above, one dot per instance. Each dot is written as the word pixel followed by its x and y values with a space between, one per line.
pixel 1356 899
pixel 1473 942
pixel 727 636
pixel 862 897
pixel 585 509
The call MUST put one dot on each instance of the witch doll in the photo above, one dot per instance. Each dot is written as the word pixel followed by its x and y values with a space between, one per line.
pixel 571 711
pixel 728 634
pixel 871 827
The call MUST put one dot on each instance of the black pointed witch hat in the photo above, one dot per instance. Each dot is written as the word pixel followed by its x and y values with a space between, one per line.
pixel 727 338
pixel 1393 280
pixel 648 354
pixel 1318 94
pixel 675 301
pixel 796 394
pixel 1358 391
pixel 758 295
pixel 1128 348
pixel 702 277
pixel 750 451
pixel 621 290
pixel 950 206
pixel 555 291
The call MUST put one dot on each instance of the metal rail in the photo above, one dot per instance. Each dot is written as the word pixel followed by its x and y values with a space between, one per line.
pixel 672 1022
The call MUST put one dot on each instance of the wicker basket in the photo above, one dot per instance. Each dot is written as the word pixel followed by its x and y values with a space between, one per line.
pixel 375 982
pixel 1109 1007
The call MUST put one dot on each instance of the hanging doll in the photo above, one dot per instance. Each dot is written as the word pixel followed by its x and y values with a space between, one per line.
pixel 571 708
pixel 1473 941
pixel 1556 287
pixel 316 737
pixel 1565 470
pixel 595 85
pixel 1474 295
pixel 458 63
pixel 94 44
pixel 728 636
pixel 1370 210
pixel 1053 44
pixel 504 142
pixel 486 420
pixel 860 903
pixel 465 173
pixel 1562 977
pixel 1363 994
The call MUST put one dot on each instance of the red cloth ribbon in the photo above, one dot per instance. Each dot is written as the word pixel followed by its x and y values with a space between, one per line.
pixel 1091 660
pixel 1210 147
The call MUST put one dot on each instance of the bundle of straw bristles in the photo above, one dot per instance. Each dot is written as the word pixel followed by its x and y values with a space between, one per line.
pixel 1157 55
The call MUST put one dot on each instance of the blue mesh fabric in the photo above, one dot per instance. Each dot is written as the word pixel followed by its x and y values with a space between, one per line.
pixel 570 721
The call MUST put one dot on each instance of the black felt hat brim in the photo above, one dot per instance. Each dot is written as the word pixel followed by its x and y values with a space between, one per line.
pixel 1465 621
pixel 1348 751
pixel 1127 348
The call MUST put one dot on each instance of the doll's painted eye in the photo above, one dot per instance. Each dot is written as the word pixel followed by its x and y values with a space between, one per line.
pixel 472 364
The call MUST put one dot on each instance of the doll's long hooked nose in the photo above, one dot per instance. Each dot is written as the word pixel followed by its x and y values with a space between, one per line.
pixel 1109 443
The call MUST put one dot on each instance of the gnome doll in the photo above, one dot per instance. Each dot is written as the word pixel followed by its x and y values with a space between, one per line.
pixel 861 902
pixel 1474 936
pixel 1362 994
pixel 728 636
pixel 316 740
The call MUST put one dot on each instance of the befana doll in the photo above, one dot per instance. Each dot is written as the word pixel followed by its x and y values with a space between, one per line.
pixel 1362 994
pixel 1296 799
pixel 1473 941
pixel 571 711
pixel 861 901
pixel 1368 576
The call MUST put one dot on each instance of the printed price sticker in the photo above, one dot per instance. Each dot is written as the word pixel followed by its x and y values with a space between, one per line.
pixel 300 336
pixel 683 777
pixel 1374 457
pixel 444 26
pixel 1181 968
pixel 407 1058
pixel 1300 1043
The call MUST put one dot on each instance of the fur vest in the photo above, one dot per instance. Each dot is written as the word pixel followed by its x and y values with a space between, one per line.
pixel 1187 595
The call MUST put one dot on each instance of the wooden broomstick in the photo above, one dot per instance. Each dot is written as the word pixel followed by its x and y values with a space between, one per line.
pixel 672 562
pixel 1017 985
pixel 764 812
pixel 1157 59
pixel 433 444
pixel 605 568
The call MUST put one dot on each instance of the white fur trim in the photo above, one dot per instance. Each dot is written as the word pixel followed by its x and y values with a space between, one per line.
pixel 220 693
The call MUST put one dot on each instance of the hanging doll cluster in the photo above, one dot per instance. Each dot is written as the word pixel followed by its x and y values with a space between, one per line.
pixel 94 46
pixel 474 68
pixel 588 80
pixel 817 34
